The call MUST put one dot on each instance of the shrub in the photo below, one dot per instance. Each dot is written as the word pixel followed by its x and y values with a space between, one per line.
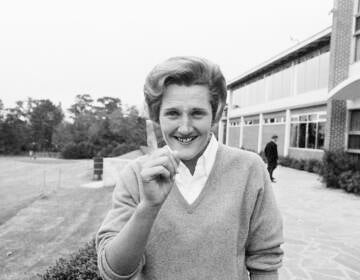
pixel 79 266
pixel 298 164
pixel 285 161
pixel 335 163
pixel 78 150
pixel 350 181
pixel 313 165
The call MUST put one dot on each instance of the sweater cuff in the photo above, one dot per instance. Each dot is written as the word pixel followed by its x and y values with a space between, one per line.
pixel 272 275
pixel 108 273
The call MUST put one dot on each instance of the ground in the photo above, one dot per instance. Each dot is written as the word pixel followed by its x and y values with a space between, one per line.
pixel 46 214
pixel 321 227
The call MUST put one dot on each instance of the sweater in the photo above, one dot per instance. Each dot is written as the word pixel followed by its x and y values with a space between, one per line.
pixel 233 230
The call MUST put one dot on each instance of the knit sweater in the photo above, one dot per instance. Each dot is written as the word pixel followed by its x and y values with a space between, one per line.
pixel 233 230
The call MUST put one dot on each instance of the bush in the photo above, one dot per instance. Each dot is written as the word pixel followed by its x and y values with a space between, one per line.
pixel 78 151
pixel 285 161
pixel 313 165
pixel 123 148
pixel 298 164
pixel 335 163
pixel 350 181
pixel 79 266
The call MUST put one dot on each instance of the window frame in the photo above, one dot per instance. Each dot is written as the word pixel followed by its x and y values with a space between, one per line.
pixel 296 119
pixel 351 132
pixel 356 34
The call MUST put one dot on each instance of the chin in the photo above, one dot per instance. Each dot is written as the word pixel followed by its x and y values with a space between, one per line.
pixel 186 156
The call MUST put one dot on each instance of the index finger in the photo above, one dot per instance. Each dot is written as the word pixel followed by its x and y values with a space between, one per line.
pixel 150 136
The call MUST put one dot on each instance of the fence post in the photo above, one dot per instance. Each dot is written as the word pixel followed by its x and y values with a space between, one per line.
pixel 98 167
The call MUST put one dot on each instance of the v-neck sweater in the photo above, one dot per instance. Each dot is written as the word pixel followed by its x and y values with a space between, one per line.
pixel 233 230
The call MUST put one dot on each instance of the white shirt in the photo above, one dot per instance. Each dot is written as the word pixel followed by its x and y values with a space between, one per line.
pixel 190 186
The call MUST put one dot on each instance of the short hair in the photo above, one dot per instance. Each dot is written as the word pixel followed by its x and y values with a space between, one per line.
pixel 186 71
pixel 274 136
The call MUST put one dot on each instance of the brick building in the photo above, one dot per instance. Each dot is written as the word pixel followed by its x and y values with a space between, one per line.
pixel 309 95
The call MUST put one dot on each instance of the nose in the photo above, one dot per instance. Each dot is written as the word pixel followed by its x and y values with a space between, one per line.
pixel 185 126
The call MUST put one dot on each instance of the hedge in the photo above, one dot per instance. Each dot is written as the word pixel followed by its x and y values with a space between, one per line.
pixel 338 169
pixel 79 266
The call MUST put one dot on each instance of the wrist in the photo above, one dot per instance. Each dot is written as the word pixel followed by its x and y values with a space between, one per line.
pixel 147 208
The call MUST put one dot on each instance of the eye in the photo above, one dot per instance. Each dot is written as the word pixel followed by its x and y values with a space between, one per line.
pixel 172 113
pixel 198 113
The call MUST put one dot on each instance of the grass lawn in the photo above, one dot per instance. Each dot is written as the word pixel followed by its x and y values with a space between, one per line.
pixel 45 214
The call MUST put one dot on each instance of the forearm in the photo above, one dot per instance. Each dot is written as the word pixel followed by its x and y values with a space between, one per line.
pixel 124 252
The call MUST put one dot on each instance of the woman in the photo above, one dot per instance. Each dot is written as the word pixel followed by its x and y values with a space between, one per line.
pixel 194 209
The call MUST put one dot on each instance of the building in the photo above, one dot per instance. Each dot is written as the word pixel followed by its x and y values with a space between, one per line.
pixel 309 95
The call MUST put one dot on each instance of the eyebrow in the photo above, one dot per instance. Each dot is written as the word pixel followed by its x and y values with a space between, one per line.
pixel 177 109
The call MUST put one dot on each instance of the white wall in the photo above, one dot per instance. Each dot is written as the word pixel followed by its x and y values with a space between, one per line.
pixel 305 77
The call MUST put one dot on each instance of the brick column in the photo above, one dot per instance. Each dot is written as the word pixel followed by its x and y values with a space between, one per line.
pixel 340 50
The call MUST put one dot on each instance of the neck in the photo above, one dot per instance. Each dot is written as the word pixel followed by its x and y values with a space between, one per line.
pixel 191 163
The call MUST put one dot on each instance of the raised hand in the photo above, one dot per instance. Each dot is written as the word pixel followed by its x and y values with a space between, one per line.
pixel 157 170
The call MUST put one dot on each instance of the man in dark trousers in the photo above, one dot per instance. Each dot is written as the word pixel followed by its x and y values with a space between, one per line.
pixel 271 155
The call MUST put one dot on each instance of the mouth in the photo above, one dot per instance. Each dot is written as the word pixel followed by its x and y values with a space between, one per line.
pixel 185 140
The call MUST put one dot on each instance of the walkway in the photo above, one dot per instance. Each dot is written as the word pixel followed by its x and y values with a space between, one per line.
pixel 321 226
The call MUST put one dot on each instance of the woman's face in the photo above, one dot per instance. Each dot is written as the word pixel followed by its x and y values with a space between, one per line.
pixel 185 119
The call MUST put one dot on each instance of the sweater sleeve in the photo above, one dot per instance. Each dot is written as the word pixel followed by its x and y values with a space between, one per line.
pixel 124 201
pixel 263 252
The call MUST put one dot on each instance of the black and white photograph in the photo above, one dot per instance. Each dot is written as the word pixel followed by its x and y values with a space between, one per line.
pixel 191 140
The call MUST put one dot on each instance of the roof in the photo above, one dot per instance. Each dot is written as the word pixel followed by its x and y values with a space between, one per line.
pixel 316 41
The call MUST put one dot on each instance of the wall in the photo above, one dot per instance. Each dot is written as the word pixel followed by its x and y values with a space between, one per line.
pixel 305 153
pixel 250 137
pixel 340 50
pixel 234 136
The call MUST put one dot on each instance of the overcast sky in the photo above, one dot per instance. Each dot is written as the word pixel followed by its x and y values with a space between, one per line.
pixel 57 49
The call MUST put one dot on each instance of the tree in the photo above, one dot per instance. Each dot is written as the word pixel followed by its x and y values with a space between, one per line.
pixel 45 116
pixel 83 104
pixel 14 128
pixel 109 104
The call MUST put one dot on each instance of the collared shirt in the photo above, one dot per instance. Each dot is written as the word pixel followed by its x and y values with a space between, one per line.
pixel 190 186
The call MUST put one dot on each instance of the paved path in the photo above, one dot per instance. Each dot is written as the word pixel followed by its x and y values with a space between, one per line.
pixel 321 226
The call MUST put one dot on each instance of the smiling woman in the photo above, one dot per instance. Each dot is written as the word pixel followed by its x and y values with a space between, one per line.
pixel 185 121
pixel 194 209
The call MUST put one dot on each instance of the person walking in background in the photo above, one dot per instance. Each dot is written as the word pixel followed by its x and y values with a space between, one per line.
pixel 271 155
pixel 195 208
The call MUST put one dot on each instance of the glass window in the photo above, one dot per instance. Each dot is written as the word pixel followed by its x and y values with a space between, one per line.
pixel 357 47
pixel 355 120
pixel 310 132
pixel 302 135
pixel 354 142
pixel 321 135
pixel 303 118
pixel 313 117
pixel 311 144
pixel 294 135
pixel 357 24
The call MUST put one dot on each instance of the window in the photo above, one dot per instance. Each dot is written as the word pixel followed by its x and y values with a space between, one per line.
pixel 308 130
pixel 274 120
pixel 251 121
pixel 354 130
pixel 357 34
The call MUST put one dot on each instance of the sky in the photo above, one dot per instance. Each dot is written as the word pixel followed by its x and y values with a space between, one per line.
pixel 58 49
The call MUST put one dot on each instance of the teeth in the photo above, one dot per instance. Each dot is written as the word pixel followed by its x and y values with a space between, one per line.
pixel 185 139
